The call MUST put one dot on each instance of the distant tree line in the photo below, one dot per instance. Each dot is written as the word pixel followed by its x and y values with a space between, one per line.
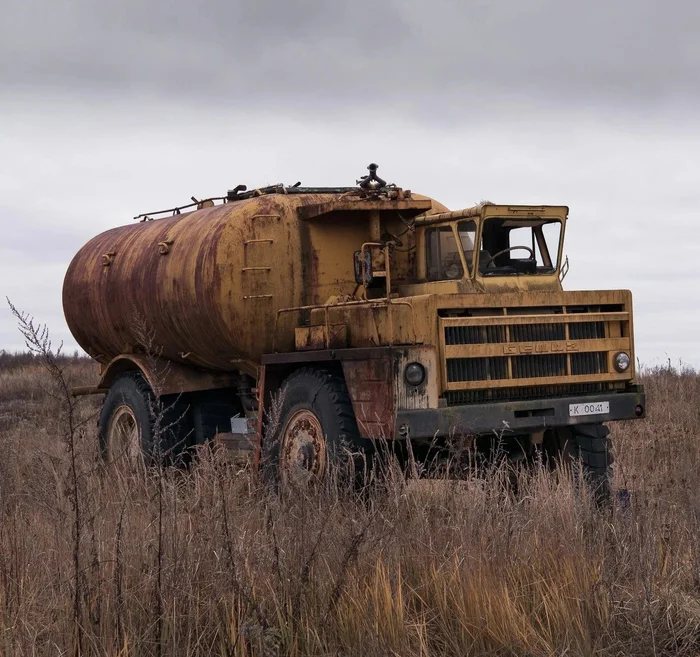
pixel 12 360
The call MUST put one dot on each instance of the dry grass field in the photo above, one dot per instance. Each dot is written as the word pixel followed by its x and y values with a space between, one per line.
pixel 94 561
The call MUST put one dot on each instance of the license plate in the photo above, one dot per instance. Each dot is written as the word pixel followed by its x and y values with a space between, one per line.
pixel 588 408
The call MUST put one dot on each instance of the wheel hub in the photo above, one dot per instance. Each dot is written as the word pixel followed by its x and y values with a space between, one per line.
pixel 303 448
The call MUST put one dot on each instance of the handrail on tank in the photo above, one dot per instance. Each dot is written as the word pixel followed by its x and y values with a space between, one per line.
pixel 372 303
pixel 175 211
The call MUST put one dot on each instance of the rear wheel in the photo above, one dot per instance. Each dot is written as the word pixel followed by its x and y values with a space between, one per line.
pixel 315 429
pixel 122 438
pixel 138 430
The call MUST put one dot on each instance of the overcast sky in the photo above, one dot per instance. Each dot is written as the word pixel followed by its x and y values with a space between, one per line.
pixel 109 109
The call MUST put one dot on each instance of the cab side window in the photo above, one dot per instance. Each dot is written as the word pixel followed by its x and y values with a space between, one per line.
pixel 442 254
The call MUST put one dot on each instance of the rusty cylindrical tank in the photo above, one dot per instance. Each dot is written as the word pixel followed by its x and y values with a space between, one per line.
pixel 205 285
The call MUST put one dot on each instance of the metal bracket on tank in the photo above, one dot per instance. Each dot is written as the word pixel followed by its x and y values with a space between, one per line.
pixel 164 247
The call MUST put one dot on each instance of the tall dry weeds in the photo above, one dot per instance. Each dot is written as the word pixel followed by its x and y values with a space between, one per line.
pixel 412 568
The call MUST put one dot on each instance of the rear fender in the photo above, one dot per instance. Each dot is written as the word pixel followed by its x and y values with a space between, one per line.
pixel 165 377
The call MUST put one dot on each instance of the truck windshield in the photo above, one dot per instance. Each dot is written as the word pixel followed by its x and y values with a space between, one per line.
pixel 519 246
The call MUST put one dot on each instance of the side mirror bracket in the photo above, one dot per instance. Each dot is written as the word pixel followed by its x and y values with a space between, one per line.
pixel 363 267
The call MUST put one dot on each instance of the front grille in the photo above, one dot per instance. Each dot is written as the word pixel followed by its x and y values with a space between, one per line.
pixel 594 362
pixel 537 332
pixel 530 352
pixel 538 366
pixel 475 334
pixel 477 369
pixel 526 367
pixel 586 330
pixel 458 397
pixel 524 333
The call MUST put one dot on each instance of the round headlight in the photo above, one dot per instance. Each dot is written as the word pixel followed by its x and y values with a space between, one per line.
pixel 414 374
pixel 622 362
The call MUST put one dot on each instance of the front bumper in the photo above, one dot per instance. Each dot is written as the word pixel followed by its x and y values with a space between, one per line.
pixel 517 416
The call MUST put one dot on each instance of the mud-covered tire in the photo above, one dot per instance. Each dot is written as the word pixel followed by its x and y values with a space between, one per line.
pixel 588 445
pixel 157 429
pixel 593 448
pixel 314 428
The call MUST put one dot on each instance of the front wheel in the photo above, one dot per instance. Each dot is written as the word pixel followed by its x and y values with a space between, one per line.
pixel 588 445
pixel 314 430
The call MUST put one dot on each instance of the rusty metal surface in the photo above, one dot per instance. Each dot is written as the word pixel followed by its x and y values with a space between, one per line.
pixel 438 217
pixel 514 417
pixel 378 322
pixel 165 377
pixel 331 336
pixel 237 442
pixel 181 277
pixel 425 395
pixel 207 285
pixel 303 449
pixel 371 387
pixel 203 283
pixel 409 208
pixel 263 399
pixel 327 355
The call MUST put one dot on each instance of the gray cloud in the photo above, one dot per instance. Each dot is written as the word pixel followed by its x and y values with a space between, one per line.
pixel 37 243
pixel 414 56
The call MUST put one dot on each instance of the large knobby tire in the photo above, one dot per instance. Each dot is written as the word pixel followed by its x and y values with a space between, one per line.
pixel 138 430
pixel 314 430
pixel 588 445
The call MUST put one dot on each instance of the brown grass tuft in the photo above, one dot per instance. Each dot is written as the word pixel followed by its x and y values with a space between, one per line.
pixel 421 568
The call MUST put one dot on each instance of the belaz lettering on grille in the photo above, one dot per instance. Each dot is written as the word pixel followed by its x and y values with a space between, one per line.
pixel 539 347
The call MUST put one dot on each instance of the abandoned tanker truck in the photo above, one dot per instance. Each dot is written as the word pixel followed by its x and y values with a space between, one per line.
pixel 355 314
